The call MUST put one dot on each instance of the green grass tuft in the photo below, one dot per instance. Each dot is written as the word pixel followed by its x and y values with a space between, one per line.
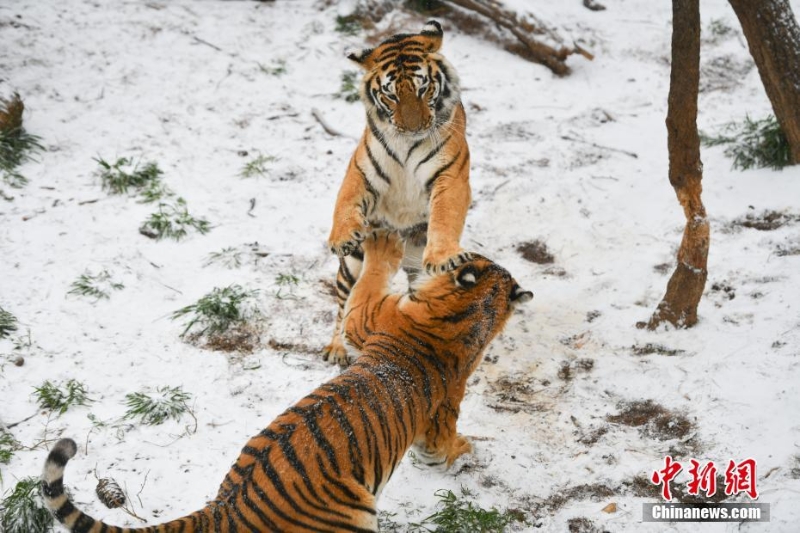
pixel 219 310
pixel 22 510
pixel 154 191
pixel 753 143
pixel 97 286
pixel 169 402
pixel 61 398
pixel 257 167
pixel 461 514
pixel 348 91
pixel 283 279
pixel 124 174
pixel 16 145
pixel 278 68
pixel 228 257
pixel 8 445
pixel 173 221
pixel 8 323
pixel 348 25
pixel 720 28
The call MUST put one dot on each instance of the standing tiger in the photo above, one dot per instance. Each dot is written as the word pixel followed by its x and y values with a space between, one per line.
pixel 321 465
pixel 410 171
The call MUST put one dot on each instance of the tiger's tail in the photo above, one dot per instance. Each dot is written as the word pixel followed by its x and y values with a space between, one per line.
pixel 77 521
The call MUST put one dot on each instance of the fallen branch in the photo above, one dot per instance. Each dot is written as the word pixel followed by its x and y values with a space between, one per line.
pixel 9 426
pixel 523 29
pixel 325 126
pixel 593 6
pixel 590 143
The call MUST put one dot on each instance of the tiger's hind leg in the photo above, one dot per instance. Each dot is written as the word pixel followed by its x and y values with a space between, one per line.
pixel 415 240
pixel 349 270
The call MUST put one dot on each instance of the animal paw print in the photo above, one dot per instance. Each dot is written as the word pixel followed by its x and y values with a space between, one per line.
pixel 439 263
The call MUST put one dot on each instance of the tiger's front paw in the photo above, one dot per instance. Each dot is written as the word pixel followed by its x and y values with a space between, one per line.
pixel 336 353
pixel 439 260
pixel 347 235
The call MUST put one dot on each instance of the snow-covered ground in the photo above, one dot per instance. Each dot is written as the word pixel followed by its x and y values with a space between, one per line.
pixel 192 86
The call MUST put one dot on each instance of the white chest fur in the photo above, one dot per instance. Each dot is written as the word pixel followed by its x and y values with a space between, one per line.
pixel 400 175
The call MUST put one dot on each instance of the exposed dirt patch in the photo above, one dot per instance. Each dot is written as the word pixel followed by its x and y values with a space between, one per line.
pixel 664 268
pixel 592 435
pixel 681 492
pixel 577 341
pixel 642 487
pixel 794 473
pixel 569 369
pixel 652 348
pixel 785 250
pixel 591 316
pixel 724 289
pixel 596 492
pixel 294 347
pixel 766 221
pixel 238 339
pixel 536 252
pixel 723 73
pixel 514 393
pixel 583 525
pixel 655 420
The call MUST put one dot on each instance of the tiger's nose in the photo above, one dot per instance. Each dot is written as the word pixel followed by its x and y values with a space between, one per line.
pixel 412 112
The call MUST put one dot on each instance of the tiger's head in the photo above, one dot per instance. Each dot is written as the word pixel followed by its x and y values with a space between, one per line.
pixel 471 304
pixel 407 84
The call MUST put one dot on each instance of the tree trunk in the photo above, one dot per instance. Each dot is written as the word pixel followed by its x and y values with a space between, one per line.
pixel 774 40
pixel 685 287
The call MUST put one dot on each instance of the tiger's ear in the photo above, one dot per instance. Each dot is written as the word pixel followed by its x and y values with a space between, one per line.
pixel 363 58
pixel 432 34
pixel 520 295
pixel 467 277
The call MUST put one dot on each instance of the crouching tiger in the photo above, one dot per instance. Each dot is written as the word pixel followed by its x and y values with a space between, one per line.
pixel 410 171
pixel 321 465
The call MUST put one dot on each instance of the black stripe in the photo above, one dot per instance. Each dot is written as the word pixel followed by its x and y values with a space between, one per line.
pixel 323 508
pixel 54 489
pixel 83 524
pixel 344 290
pixel 432 153
pixel 367 184
pixel 432 180
pixel 64 511
pixel 414 147
pixel 255 508
pixel 355 506
pixel 319 437
pixel 455 318
pixel 377 134
pixel 58 456
pixel 344 489
pixel 378 169
pixel 353 447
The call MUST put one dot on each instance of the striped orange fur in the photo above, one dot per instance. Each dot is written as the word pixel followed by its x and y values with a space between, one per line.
pixel 410 171
pixel 321 465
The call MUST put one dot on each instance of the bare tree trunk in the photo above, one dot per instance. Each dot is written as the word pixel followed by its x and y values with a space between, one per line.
pixel 774 40
pixel 685 287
